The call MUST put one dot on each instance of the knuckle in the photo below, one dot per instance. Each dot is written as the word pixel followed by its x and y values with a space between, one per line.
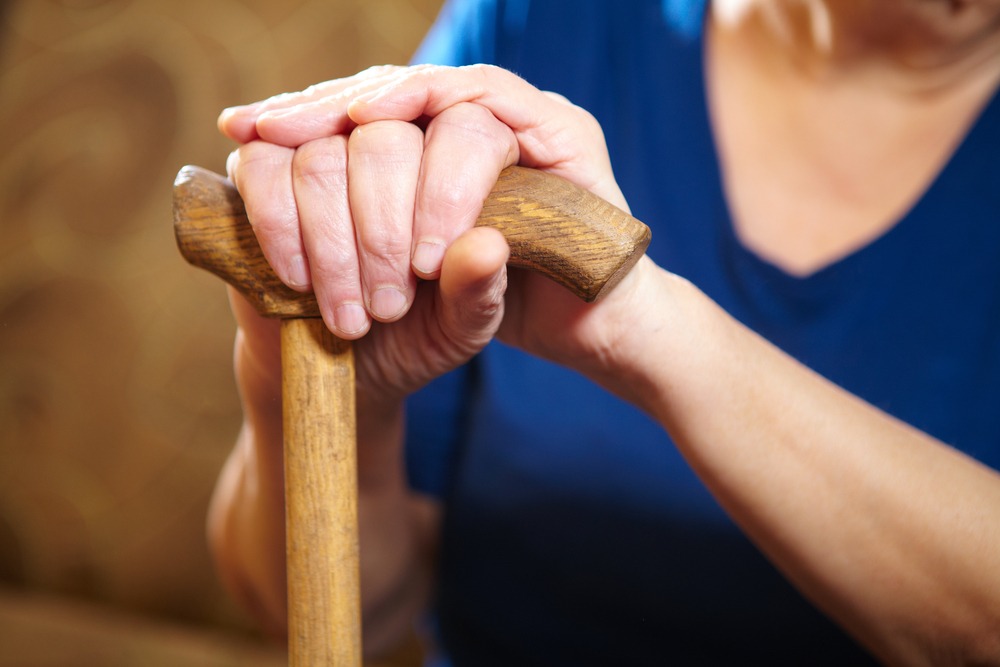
pixel 426 72
pixel 333 259
pixel 572 134
pixel 482 77
pixel 469 115
pixel 259 156
pixel 484 70
pixel 450 199
pixel 334 265
pixel 394 140
pixel 257 166
pixel 253 152
pixel 274 223
pixel 475 124
pixel 321 161
pixel 385 243
pixel 471 327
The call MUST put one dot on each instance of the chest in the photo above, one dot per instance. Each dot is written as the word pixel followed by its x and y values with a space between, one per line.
pixel 814 170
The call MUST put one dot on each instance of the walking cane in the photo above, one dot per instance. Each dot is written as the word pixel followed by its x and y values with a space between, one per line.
pixel 570 235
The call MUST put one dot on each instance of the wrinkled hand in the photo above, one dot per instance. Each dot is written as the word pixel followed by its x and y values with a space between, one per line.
pixel 366 190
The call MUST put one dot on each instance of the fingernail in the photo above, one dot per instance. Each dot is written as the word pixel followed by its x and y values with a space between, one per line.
pixel 387 303
pixel 427 257
pixel 350 318
pixel 298 274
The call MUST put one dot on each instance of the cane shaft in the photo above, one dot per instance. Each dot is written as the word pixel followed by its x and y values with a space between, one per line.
pixel 324 615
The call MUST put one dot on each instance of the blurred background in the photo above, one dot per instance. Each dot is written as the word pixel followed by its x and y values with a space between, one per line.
pixel 117 404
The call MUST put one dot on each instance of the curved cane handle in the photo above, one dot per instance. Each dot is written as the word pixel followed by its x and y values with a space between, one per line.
pixel 576 238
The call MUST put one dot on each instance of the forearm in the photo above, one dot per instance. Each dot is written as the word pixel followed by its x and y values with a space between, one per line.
pixel 246 539
pixel 246 519
pixel 889 531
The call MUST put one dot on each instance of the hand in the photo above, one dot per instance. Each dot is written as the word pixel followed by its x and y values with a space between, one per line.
pixel 359 217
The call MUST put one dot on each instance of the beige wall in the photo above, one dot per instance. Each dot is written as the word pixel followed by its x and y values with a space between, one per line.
pixel 117 404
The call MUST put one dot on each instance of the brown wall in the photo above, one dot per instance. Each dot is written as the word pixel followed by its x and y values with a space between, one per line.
pixel 117 404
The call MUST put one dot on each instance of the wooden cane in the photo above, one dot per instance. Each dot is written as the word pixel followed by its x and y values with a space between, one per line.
pixel 552 226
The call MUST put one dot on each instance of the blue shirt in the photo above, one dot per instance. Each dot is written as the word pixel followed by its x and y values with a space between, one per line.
pixel 574 532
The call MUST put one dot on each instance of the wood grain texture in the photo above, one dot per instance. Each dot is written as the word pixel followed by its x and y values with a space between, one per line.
pixel 321 496
pixel 577 239
pixel 570 235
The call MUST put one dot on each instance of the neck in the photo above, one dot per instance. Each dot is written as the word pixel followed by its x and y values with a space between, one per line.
pixel 915 45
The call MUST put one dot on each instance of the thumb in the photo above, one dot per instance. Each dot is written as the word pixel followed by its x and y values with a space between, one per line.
pixel 471 288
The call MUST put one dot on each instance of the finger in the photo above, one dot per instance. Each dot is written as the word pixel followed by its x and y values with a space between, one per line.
pixel 319 176
pixel 262 173
pixel 471 289
pixel 325 115
pixel 466 147
pixel 553 135
pixel 305 122
pixel 239 123
pixel 383 168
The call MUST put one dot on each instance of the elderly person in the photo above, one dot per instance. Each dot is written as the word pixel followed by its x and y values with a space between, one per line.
pixel 775 442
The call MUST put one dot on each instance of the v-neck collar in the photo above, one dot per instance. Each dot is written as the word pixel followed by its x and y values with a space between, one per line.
pixel 851 264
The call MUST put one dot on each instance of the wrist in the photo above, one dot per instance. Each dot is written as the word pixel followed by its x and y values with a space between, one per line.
pixel 658 327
